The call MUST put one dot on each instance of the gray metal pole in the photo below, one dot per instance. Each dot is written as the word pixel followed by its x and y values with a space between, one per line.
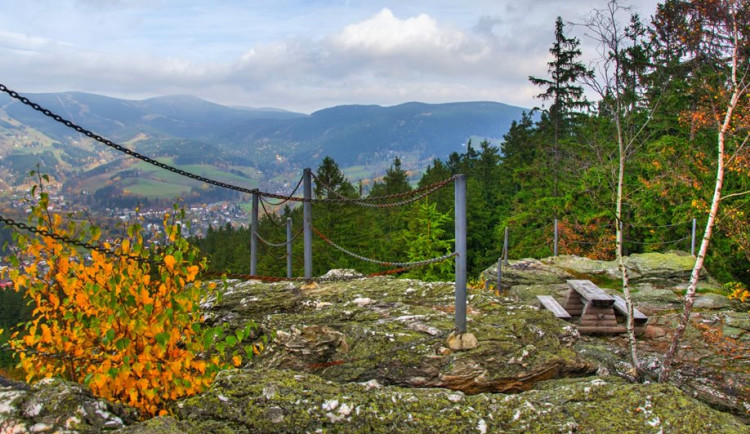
pixel 254 237
pixel 289 248
pixel 499 274
pixel 555 253
pixel 460 207
pixel 505 246
pixel 692 240
pixel 307 221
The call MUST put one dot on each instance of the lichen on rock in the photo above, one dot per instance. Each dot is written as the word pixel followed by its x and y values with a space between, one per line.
pixel 54 405
pixel 308 403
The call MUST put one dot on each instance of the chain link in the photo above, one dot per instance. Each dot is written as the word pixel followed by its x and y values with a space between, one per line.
pixel 375 261
pixel 70 241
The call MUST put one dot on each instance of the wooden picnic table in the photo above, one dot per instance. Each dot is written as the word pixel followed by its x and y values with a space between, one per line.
pixel 594 306
pixel 595 309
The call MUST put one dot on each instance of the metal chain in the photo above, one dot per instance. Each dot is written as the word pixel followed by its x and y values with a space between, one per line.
pixel 190 175
pixel 135 154
pixel 429 189
pixel 375 261
pixel 659 226
pixel 587 243
pixel 290 196
pixel 270 216
pixel 70 241
pixel 647 243
pixel 269 244
pixel 242 276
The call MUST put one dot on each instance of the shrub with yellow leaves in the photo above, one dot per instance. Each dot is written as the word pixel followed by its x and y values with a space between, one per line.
pixel 129 329
pixel 738 291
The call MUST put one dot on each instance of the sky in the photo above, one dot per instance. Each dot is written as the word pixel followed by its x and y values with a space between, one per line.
pixel 299 55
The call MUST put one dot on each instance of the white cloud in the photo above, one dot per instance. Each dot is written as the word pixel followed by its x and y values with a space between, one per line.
pixel 20 42
pixel 432 51
pixel 384 34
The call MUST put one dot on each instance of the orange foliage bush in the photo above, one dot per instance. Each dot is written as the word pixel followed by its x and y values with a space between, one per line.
pixel 129 329
pixel 594 240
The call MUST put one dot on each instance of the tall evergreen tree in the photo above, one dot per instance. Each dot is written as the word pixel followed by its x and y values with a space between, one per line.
pixel 329 175
pixel 396 180
pixel 562 88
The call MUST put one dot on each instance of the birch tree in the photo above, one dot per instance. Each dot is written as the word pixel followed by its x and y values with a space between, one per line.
pixel 617 81
pixel 720 30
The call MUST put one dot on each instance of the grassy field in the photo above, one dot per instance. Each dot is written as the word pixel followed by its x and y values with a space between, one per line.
pixel 156 189
pixel 206 171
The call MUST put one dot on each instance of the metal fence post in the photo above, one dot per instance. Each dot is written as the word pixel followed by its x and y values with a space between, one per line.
pixel 460 207
pixel 289 248
pixel 254 236
pixel 692 240
pixel 555 252
pixel 499 273
pixel 505 246
pixel 307 221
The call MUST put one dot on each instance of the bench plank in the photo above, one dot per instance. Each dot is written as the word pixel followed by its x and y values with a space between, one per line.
pixel 590 330
pixel 638 317
pixel 591 292
pixel 574 303
pixel 549 303
pixel 598 316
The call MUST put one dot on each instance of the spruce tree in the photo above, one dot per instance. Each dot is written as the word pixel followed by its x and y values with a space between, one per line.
pixel 561 88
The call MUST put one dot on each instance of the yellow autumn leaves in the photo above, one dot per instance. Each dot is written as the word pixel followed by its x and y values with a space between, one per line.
pixel 127 328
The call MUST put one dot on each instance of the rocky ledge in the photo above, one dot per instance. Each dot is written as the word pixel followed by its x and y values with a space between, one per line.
pixel 373 355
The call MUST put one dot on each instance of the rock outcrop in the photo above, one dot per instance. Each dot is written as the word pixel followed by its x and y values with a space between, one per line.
pixel 374 355
pixel 713 364
pixel 53 405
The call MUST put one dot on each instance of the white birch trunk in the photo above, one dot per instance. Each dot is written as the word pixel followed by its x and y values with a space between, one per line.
pixel 737 91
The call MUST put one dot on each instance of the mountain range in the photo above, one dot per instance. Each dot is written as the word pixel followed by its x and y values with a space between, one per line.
pixel 258 147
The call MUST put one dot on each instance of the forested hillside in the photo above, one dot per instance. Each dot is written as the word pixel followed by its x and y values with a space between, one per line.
pixel 650 135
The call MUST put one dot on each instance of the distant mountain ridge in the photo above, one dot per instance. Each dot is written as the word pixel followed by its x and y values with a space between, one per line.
pixel 258 143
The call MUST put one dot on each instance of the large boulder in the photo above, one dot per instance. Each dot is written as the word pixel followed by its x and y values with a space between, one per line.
pixel 277 400
pixel 663 270
pixel 380 355
pixel 395 330
pixel 54 405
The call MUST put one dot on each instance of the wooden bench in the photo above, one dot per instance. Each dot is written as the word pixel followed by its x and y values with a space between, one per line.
pixel 639 319
pixel 548 302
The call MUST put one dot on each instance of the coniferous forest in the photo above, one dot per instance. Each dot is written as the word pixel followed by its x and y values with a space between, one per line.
pixel 667 99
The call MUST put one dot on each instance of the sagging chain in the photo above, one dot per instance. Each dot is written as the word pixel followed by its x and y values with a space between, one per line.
pixel 290 196
pixel 67 240
pixel 269 244
pixel 270 216
pixel 388 263
pixel 649 243
pixel 272 279
pixel 200 178
pixel 670 225
pixel 413 195
pixel 123 149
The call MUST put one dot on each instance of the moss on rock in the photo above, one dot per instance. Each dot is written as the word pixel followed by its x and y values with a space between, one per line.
pixel 271 400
